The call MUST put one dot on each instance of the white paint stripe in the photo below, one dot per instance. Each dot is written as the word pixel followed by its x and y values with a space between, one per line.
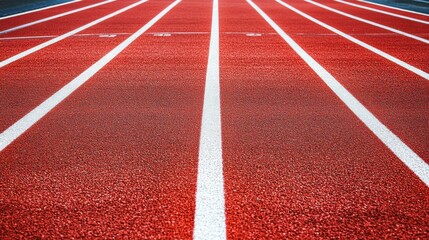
pixel 55 17
pixel 100 34
pixel 27 37
pixel 421 1
pixel 370 22
pixel 389 57
pixel 400 9
pixel 210 220
pixel 66 35
pixel 383 12
pixel 39 9
pixel 399 148
pixel 22 125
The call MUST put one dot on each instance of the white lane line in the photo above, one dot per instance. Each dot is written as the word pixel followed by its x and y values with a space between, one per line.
pixel 66 35
pixel 387 56
pixel 399 148
pixel 209 222
pixel 178 33
pixel 22 125
pixel 421 1
pixel 396 8
pixel 55 17
pixel 370 22
pixel 383 12
pixel 53 36
pixel 39 9
pixel 102 35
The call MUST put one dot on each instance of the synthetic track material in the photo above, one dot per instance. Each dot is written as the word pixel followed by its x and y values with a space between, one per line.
pixel 298 164
pixel 120 157
pixel 147 189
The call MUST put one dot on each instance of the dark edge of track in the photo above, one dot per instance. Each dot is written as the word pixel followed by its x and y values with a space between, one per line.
pixel 9 7
pixel 405 4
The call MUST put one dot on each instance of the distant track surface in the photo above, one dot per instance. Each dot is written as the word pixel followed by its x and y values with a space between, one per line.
pixel 257 119
pixel 11 7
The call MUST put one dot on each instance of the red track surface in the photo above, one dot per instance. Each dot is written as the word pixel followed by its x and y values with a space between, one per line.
pixel 394 22
pixel 119 157
pixel 392 10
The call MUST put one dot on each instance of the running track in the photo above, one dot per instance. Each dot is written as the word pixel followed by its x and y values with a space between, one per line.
pixel 256 119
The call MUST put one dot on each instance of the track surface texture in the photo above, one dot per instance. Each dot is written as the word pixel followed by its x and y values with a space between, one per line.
pixel 214 119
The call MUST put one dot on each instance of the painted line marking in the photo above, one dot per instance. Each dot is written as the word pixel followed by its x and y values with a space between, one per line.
pixel 249 33
pixel 107 35
pixel 421 1
pixel 54 36
pixel 253 34
pixel 55 17
pixel 399 148
pixel 39 9
pixel 171 33
pixel 396 8
pixel 22 125
pixel 354 34
pixel 382 12
pixel 162 34
pixel 168 34
pixel 387 56
pixel 370 22
pixel 210 220
pixel 66 35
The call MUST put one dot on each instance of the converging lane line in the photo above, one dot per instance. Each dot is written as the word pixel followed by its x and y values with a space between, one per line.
pixel 399 148
pixel 66 35
pixel 210 220
pixel 55 16
pixel 383 12
pixel 369 22
pixel 399 9
pixel 39 9
pixel 22 125
pixel 377 51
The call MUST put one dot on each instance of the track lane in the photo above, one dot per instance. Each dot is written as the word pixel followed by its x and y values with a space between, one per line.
pixel 297 162
pixel 402 47
pixel 27 83
pixel 35 16
pixel 126 159
pixel 378 25
pixel 394 95
pixel 415 28
pixel 396 10
pixel 384 12
pixel 54 17
pixel 39 8
pixel 14 45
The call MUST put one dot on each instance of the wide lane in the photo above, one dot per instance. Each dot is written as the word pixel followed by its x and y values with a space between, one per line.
pixel 396 96
pixel 29 81
pixel 119 157
pixel 297 162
